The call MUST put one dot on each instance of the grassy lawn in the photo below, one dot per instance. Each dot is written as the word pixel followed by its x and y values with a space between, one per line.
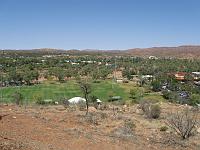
pixel 70 89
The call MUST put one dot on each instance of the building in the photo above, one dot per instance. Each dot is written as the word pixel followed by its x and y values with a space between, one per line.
pixel 180 76
pixel 196 76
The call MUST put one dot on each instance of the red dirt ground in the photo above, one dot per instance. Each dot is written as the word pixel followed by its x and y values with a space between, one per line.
pixel 55 128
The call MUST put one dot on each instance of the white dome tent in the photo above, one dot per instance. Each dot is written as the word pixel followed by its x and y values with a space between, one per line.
pixel 76 100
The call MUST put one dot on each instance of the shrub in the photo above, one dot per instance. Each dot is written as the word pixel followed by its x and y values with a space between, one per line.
pixel 92 118
pixel 97 81
pixel 93 98
pixel 154 111
pixel 183 123
pixel 150 108
pixel 40 102
pixel 172 96
pixel 37 99
pixel 133 93
pixel 129 124
pixel 163 128
pixel 103 115
pixel 194 99
pixel 156 86
pixel 65 102
pixel 126 130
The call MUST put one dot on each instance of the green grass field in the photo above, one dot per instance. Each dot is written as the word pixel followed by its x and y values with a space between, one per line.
pixel 56 91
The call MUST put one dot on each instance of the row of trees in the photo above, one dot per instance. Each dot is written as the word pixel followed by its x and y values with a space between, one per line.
pixel 19 77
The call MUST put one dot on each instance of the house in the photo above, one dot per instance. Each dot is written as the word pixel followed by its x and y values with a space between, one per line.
pixel 196 76
pixel 180 76
pixel 119 80
pixel 153 57
pixel 147 77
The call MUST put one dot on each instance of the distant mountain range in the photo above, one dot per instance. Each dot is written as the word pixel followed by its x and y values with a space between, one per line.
pixel 178 52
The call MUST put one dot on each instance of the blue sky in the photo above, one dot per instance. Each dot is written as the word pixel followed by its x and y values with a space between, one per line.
pixel 98 24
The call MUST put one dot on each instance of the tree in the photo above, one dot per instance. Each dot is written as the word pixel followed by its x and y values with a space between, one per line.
pixel 95 75
pixel 15 77
pixel 86 89
pixel 183 123
pixel 104 72
pixel 30 75
pixel 127 73
pixel 58 72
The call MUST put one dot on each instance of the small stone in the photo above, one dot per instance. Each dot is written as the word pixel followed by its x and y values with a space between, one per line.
pixel 138 111
pixel 14 117
pixel 198 130
pixel 92 109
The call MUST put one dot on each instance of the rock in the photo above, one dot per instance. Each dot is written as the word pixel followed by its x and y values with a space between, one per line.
pixel 198 130
pixel 14 117
pixel 139 111
pixel 56 103
pixel 92 109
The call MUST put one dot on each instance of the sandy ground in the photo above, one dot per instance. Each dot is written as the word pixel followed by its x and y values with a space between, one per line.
pixel 56 128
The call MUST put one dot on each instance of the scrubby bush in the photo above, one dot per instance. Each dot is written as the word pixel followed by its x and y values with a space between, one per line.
pixel 126 130
pixel 154 111
pixel 40 102
pixel 194 99
pixel 133 93
pixel 183 123
pixel 163 128
pixel 92 118
pixel 93 98
pixel 150 108
pixel 156 85
pixel 129 124
pixel 37 99
pixel 65 102
pixel 170 96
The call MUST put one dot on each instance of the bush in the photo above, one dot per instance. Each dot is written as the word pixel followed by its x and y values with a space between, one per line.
pixel 133 93
pixel 171 96
pixel 37 99
pixel 125 131
pixel 150 108
pixel 129 124
pixel 194 99
pixel 154 111
pixel 97 81
pixel 183 123
pixel 65 102
pixel 92 118
pixel 156 86
pixel 163 128
pixel 40 102
pixel 93 98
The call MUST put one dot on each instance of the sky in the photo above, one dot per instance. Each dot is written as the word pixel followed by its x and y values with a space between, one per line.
pixel 98 24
